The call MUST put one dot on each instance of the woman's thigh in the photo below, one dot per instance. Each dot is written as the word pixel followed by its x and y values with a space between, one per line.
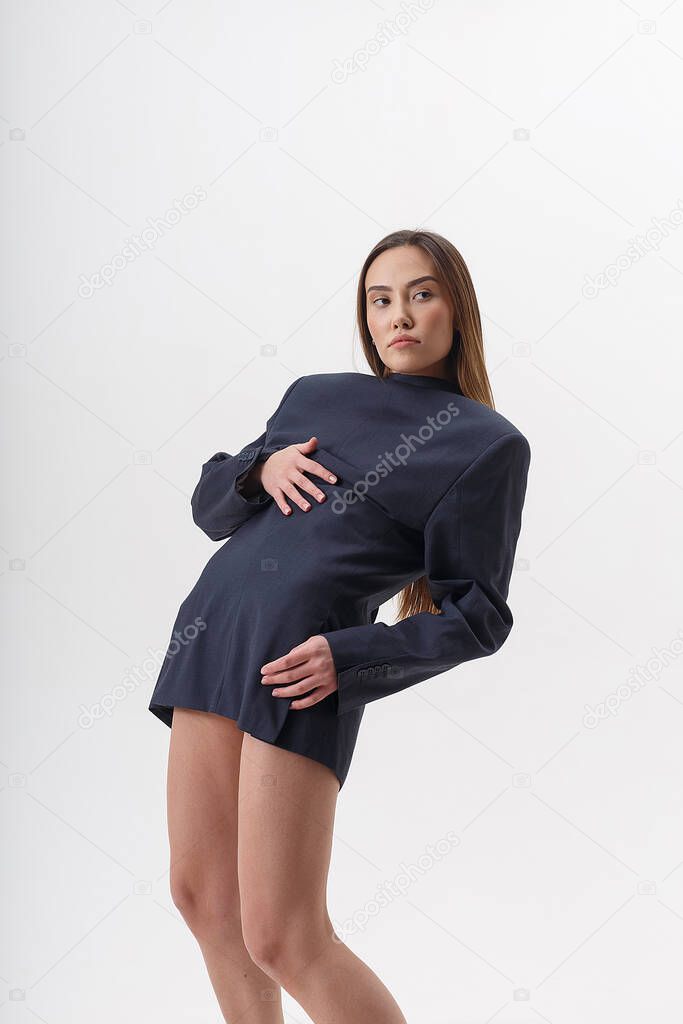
pixel 202 799
pixel 287 804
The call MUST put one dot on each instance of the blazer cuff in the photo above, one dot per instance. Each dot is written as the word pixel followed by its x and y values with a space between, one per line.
pixel 248 458
pixel 349 649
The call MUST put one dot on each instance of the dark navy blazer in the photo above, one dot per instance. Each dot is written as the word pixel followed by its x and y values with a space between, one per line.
pixel 431 483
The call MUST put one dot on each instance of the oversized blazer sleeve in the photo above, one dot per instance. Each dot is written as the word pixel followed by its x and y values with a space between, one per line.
pixel 470 540
pixel 218 505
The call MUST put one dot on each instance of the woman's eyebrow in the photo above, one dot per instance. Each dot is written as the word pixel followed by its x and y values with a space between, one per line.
pixel 409 284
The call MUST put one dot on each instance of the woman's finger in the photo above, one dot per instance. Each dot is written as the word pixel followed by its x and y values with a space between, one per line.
pixel 307 485
pixel 295 689
pixel 286 676
pixel 311 466
pixel 294 495
pixel 306 702
pixel 280 501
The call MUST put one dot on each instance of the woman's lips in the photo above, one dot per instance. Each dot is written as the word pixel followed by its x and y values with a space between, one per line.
pixel 403 342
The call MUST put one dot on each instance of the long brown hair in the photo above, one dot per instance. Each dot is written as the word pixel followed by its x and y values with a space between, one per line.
pixel 465 360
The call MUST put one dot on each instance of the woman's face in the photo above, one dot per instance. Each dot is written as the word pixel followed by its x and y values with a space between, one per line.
pixel 404 296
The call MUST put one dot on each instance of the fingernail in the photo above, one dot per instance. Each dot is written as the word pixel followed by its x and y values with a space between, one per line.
pixel 333 479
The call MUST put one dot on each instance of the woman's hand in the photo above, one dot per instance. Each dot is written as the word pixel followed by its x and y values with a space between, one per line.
pixel 283 472
pixel 307 667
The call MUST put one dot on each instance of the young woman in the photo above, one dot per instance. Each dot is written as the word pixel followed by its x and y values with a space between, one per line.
pixel 412 484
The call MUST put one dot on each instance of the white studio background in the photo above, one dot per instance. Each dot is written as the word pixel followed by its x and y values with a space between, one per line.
pixel 544 140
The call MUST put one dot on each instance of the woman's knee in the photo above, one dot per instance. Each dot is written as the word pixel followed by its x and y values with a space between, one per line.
pixel 283 943
pixel 205 906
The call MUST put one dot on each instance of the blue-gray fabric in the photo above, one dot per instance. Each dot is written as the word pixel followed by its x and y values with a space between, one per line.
pixel 430 483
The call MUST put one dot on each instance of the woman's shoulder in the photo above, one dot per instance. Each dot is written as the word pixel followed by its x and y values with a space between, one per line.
pixel 490 422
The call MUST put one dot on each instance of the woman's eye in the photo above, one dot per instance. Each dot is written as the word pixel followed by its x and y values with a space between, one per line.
pixel 383 298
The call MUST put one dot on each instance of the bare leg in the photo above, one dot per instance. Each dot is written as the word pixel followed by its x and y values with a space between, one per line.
pixel 203 785
pixel 287 805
